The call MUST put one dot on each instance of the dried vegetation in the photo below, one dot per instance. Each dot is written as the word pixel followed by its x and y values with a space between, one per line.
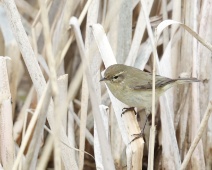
pixel 54 112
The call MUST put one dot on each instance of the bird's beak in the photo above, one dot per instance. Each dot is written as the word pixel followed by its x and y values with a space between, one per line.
pixel 103 79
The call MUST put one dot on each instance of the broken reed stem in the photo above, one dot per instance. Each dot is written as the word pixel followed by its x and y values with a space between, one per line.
pixel 30 127
pixel 6 121
pixel 105 149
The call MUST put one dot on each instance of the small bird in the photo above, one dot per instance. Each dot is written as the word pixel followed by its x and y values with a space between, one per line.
pixel 134 87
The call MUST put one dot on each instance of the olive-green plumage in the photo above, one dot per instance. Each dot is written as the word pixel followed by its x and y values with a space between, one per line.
pixel 134 87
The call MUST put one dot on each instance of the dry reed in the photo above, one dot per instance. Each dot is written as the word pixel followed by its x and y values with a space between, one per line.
pixel 54 112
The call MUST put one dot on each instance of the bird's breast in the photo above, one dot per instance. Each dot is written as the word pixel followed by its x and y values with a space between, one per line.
pixel 131 97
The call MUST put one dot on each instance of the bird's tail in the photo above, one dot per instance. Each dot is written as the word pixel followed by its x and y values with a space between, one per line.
pixel 173 82
pixel 186 80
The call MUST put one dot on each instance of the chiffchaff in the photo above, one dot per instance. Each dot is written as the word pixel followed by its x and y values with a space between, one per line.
pixel 134 87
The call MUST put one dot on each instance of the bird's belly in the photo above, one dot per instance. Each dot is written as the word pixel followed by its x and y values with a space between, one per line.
pixel 139 99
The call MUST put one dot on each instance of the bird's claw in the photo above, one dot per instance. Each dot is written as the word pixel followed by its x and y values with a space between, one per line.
pixel 128 109
pixel 138 135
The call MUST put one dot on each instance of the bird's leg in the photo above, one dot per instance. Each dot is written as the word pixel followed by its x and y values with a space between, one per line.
pixel 124 110
pixel 139 135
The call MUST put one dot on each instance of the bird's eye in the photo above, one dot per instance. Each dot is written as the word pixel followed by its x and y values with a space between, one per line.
pixel 115 77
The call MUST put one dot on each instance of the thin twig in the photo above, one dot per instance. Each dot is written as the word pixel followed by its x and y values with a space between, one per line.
pixel 155 57
pixel 198 136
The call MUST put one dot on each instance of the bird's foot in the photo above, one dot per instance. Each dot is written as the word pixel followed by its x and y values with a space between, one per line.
pixel 139 135
pixel 124 110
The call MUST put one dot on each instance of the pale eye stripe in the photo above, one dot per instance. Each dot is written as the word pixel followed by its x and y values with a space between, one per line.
pixel 119 73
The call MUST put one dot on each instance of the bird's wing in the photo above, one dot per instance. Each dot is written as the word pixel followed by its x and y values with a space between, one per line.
pixel 146 83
